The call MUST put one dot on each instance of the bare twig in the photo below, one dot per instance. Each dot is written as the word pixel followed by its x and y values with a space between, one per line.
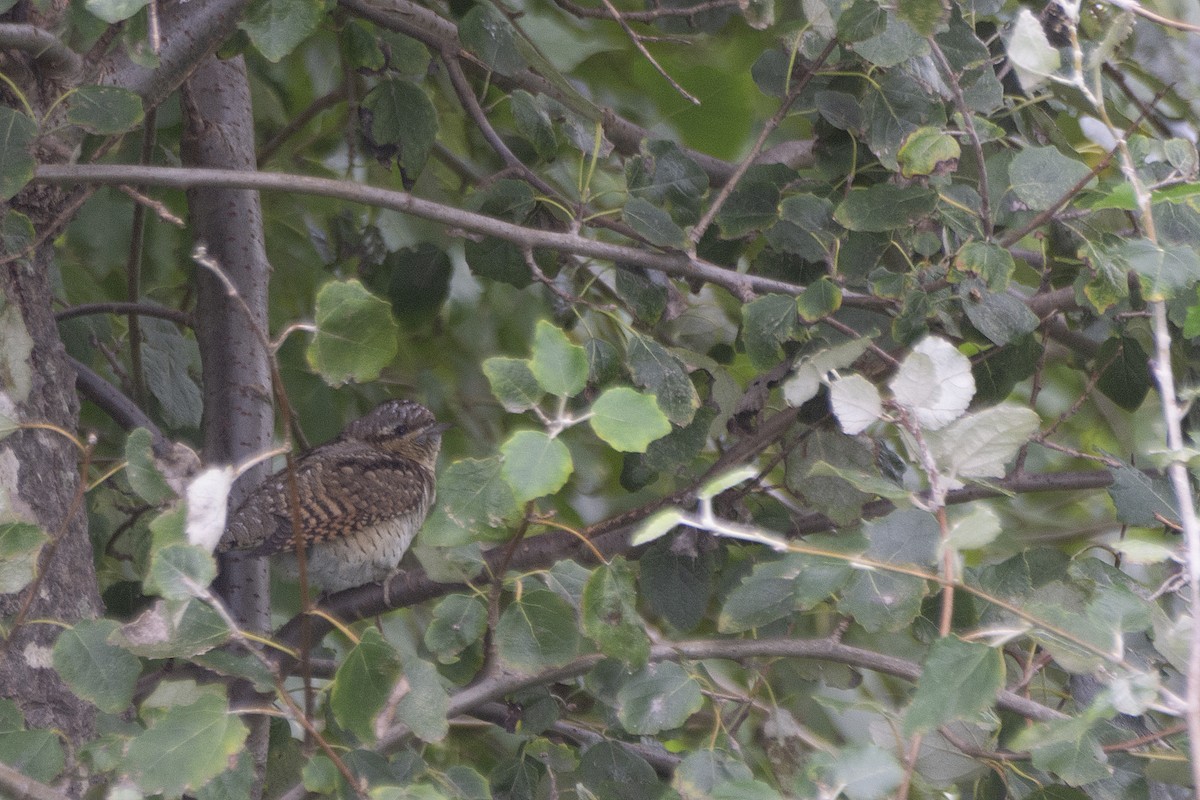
pixel 641 48
pixel 747 162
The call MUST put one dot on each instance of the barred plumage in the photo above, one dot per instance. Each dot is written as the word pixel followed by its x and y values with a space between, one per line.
pixel 363 496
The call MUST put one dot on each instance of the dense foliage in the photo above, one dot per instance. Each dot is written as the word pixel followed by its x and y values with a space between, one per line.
pixel 806 440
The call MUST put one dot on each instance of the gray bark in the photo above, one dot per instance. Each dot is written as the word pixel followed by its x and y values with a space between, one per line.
pixel 219 132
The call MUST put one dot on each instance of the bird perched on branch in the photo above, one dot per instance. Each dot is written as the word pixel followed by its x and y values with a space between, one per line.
pixel 362 499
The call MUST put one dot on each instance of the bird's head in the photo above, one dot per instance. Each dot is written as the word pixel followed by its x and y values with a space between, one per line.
pixel 403 427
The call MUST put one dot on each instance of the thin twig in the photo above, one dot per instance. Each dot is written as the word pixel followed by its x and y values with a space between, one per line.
pixel 641 48
pixel 747 162
pixel 960 102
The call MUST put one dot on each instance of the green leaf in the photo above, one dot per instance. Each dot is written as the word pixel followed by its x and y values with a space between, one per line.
pixel 863 772
pixel 170 359
pixel 402 120
pixel 534 464
pixel 277 27
pixel 513 383
pixel 658 371
pixel 882 601
pixel 356 336
pixel 768 322
pixel 628 420
pixel 862 20
pixel 991 262
pixel 884 207
pixel 1067 748
pixel 97 671
pixel 104 110
pixel 141 470
pixel 997 315
pixel 1164 270
pixel 176 568
pixel 928 151
pixel 498 260
pixel 173 629
pixel 473 493
pixel 536 632
pixel 660 697
pixel 534 123
pixel 819 299
pixel 458 622
pixel 489 36
pixel 805 227
pixel 925 16
pixel 677 582
pixel 363 683
pixel 1141 499
pixel 36 754
pixel 1040 176
pixel 836 491
pixel 654 224
pixel 425 705
pixel 114 11
pixel 186 747
pixel 610 616
pixel 609 770
pixel 1126 377
pixel 20 546
pixel 777 589
pixel 958 680
pixel 559 365
pixel 750 207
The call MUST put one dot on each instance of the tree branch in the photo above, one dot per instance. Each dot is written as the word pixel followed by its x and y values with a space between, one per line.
pixel 676 264
pixel 53 57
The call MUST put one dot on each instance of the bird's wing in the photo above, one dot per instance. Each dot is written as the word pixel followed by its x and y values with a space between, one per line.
pixel 340 494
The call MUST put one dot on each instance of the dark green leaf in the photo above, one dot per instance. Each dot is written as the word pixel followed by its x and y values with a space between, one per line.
pixel 536 632
pixel 533 122
pixel 751 207
pixel 958 680
pixel 677 580
pixel 997 315
pixel 402 123
pixel 458 622
pixel 660 697
pixel 20 545
pixel 95 670
pixel 820 298
pixel 862 20
pixel 186 747
pixel 658 371
pixel 653 223
pixel 610 616
pixel 1040 176
pixel 104 110
pixel 1126 378
pixel 1142 499
pixel 609 771
pixel 17 132
pixel 768 322
pixel 490 37
pixel 277 27
pixel 884 206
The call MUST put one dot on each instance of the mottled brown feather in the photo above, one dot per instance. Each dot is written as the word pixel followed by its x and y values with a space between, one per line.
pixel 358 487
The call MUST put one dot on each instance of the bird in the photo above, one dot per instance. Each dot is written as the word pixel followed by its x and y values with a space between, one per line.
pixel 363 497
